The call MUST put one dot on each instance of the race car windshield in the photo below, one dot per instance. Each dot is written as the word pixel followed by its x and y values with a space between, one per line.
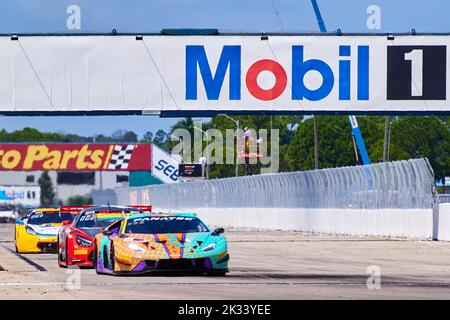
pixel 154 225
pixel 52 217
pixel 97 221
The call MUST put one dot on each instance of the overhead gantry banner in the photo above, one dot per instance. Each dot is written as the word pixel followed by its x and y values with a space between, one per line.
pixel 240 73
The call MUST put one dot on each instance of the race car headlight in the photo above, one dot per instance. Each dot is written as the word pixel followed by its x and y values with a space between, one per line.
pixel 136 248
pixel 31 231
pixel 209 247
pixel 83 242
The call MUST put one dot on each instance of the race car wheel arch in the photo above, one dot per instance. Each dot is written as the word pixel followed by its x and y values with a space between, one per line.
pixel 15 240
pixel 112 257
pixel 59 253
pixel 95 260
pixel 105 258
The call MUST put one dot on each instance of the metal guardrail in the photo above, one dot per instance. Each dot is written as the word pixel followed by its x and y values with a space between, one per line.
pixel 400 184
pixel 443 198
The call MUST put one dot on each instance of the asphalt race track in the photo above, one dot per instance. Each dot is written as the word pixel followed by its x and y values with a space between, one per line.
pixel 264 265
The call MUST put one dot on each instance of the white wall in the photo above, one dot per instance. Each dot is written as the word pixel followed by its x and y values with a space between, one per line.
pixel 411 223
pixel 443 222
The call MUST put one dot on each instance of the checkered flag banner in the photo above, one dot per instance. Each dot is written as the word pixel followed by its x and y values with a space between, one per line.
pixel 121 157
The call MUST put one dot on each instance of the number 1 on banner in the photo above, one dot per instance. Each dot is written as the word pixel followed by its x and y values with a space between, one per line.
pixel 416 58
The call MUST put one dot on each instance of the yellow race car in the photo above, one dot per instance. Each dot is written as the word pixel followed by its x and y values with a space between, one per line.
pixel 37 230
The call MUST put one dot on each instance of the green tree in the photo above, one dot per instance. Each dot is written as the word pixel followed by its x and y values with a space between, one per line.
pixel 372 130
pixel 47 190
pixel 422 136
pixel 160 138
pixel 130 136
pixel 335 144
pixel 30 135
pixel 147 137
pixel 100 138
pixel 186 123
pixel 79 201
pixel 124 136
pixel 118 134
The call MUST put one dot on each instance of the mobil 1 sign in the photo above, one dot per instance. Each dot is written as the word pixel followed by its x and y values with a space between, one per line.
pixel 331 73
pixel 237 73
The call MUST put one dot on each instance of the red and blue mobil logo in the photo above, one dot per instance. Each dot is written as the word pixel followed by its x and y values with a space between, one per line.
pixel 230 62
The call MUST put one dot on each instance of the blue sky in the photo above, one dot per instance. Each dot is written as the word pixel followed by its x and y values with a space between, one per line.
pixel 41 16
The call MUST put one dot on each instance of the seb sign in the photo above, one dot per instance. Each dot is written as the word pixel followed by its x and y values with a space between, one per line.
pixel 75 157
pixel 296 73
pixel 164 167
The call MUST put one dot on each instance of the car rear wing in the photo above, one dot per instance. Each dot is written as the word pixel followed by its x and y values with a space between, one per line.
pixel 73 209
pixel 144 209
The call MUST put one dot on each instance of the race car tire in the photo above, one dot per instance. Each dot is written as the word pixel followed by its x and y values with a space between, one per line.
pixel 95 262
pixel 15 242
pixel 112 257
pixel 59 258
pixel 216 274
pixel 17 248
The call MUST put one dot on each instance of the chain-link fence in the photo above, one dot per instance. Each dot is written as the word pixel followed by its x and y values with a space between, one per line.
pixel 400 184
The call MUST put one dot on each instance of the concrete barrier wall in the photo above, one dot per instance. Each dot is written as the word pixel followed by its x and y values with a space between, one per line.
pixel 408 223
pixel 443 222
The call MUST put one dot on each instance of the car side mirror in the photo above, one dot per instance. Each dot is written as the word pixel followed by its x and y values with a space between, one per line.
pixel 218 231
pixel 19 221
pixel 66 222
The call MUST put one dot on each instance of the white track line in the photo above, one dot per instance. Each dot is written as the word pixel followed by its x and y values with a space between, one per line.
pixel 24 284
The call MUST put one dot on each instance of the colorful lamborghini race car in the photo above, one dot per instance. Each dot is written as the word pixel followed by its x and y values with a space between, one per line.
pixel 37 230
pixel 76 240
pixel 161 242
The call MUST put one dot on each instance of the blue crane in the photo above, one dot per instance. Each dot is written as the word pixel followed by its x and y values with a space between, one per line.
pixel 356 133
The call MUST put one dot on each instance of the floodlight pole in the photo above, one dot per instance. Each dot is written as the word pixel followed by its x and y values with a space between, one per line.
pixel 387 139
pixel 236 122
pixel 207 153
